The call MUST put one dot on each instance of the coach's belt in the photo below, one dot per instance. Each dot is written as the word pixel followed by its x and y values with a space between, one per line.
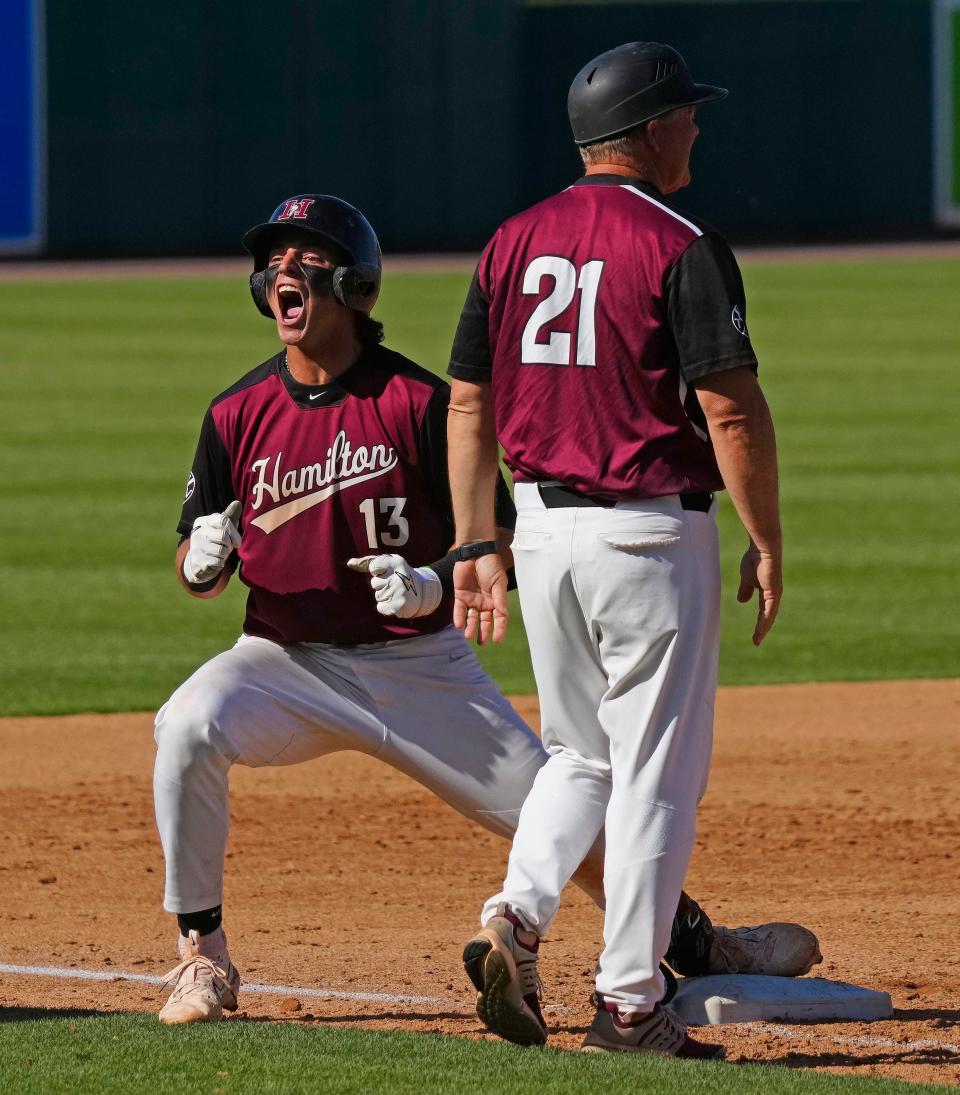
pixel 555 495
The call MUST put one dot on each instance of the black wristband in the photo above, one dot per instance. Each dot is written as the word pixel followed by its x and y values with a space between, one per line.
pixel 475 550
pixel 443 568
pixel 201 587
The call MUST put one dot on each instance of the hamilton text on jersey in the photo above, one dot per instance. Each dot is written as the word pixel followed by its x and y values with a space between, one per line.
pixel 345 466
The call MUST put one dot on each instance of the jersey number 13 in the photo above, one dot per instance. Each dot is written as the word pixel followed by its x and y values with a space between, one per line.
pixel 397 532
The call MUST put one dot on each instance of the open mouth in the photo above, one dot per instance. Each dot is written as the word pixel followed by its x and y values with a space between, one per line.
pixel 291 303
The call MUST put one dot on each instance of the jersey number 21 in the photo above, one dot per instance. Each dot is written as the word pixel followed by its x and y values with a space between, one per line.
pixel 566 281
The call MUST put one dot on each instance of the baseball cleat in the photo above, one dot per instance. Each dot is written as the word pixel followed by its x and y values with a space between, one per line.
pixel 777 950
pixel 504 973
pixel 659 1032
pixel 205 984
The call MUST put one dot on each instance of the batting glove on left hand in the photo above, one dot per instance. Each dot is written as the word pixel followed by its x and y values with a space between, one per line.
pixel 400 589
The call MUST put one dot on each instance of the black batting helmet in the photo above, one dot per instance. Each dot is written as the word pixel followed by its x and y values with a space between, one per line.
pixel 629 85
pixel 356 284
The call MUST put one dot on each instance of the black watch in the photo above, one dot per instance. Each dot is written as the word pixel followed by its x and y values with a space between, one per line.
pixel 475 550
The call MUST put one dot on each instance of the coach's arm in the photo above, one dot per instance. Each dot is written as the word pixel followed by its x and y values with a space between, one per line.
pixel 745 444
pixel 480 585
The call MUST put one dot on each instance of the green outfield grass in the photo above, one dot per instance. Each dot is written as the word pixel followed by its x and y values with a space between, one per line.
pixel 103 385
pixel 123 1053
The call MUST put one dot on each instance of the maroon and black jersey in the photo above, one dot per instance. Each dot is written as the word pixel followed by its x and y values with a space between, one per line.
pixel 594 314
pixel 324 473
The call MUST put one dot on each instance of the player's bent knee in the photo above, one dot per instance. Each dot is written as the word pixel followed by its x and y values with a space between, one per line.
pixel 188 735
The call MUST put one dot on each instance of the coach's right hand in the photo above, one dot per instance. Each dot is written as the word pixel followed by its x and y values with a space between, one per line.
pixel 480 598
pixel 761 571
pixel 212 539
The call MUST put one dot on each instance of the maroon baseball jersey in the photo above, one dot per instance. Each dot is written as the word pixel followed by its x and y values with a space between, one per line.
pixel 355 467
pixel 593 314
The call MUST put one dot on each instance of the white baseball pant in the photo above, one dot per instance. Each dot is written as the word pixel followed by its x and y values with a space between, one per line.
pixel 621 608
pixel 422 705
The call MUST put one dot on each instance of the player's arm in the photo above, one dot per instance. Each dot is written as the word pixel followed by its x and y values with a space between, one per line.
pixel 707 308
pixel 203 558
pixel 214 590
pixel 209 525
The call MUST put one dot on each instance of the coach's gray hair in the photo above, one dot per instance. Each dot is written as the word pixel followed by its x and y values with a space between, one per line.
pixel 613 149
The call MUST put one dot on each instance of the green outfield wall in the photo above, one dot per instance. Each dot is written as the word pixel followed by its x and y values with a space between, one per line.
pixel 828 127
pixel 171 128
pixel 946 66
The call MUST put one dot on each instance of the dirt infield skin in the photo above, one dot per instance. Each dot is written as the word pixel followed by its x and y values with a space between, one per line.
pixel 831 804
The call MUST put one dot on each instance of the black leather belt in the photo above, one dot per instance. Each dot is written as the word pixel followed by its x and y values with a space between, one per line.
pixel 556 496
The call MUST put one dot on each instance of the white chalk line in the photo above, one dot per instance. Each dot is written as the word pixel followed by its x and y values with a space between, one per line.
pixel 861 1040
pixel 69 973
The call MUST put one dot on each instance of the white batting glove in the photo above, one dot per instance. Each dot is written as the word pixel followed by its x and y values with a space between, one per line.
pixel 212 540
pixel 400 589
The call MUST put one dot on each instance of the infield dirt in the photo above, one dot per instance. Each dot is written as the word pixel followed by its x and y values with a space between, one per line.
pixel 832 804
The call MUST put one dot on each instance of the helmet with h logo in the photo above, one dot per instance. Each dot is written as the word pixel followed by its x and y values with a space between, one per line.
pixel 355 280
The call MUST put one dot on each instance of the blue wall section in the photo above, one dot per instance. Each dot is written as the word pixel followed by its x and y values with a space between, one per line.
pixel 21 136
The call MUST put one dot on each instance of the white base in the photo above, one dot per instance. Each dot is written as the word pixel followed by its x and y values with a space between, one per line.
pixel 744 997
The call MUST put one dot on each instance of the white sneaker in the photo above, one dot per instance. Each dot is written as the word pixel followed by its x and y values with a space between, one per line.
pixel 659 1032
pixel 206 982
pixel 504 973
pixel 777 950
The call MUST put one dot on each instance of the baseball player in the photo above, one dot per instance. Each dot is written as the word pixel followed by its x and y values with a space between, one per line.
pixel 335 450
pixel 603 342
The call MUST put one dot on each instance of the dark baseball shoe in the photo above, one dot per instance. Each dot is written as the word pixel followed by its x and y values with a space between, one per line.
pixel 697 947
pixel 504 972
pixel 777 950
pixel 205 983
pixel 659 1032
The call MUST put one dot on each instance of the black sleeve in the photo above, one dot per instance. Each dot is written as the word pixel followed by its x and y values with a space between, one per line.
pixel 432 454
pixel 505 512
pixel 707 309
pixel 470 356
pixel 210 483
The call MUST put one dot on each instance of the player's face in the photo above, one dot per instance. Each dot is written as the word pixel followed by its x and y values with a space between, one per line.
pixel 298 292
pixel 676 133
